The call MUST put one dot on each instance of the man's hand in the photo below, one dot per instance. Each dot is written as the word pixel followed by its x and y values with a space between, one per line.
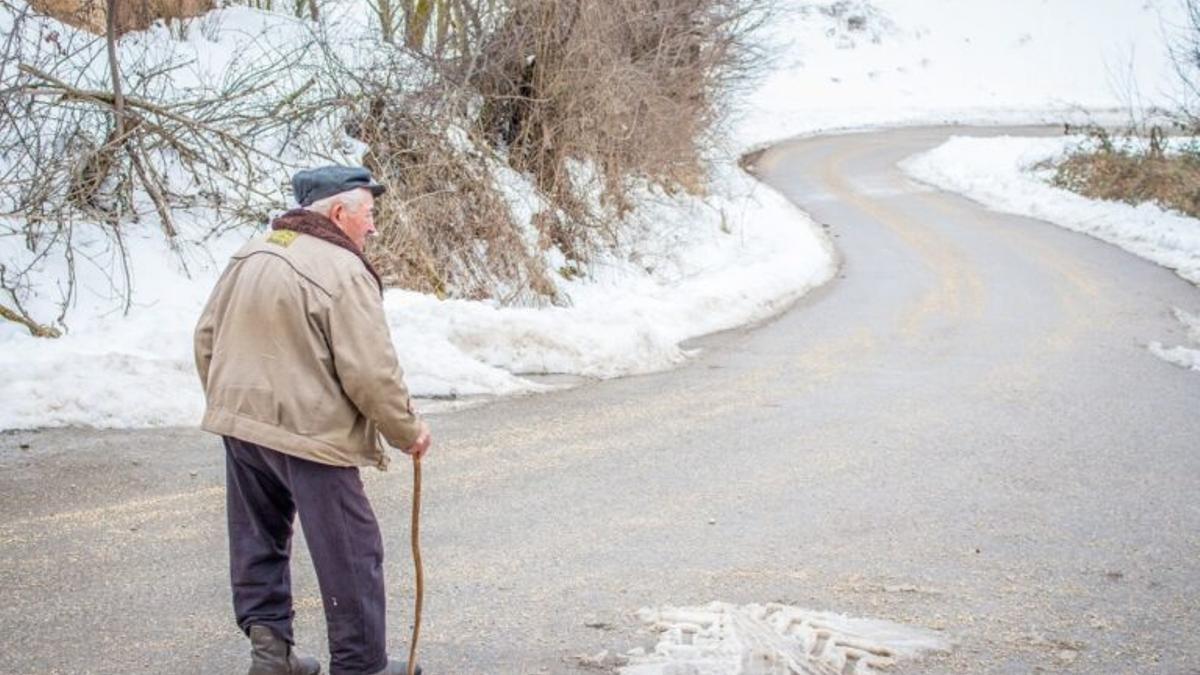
pixel 419 447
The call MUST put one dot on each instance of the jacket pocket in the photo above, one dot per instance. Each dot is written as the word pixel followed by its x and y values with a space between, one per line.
pixel 257 403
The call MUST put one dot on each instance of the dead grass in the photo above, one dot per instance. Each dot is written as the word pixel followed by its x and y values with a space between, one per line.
pixel 131 14
pixel 589 99
pixel 594 102
pixel 1117 172
pixel 444 226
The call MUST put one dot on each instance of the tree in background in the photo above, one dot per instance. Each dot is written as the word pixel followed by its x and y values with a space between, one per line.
pixel 1186 54
pixel 586 108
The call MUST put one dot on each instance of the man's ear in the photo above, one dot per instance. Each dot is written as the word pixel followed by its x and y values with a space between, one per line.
pixel 335 211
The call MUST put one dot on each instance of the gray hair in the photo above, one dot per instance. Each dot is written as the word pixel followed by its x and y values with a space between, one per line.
pixel 349 198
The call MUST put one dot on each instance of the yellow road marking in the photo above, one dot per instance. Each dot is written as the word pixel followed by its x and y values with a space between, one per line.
pixel 959 289
pixel 103 514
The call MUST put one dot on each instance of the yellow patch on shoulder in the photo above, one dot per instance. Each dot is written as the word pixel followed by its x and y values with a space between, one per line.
pixel 283 237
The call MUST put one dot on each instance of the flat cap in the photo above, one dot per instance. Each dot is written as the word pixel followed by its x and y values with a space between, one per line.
pixel 312 185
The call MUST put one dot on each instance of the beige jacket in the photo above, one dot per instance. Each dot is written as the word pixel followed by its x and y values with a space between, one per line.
pixel 294 354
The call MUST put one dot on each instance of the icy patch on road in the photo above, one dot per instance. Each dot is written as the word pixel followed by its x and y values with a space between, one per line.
pixel 773 639
pixel 1187 357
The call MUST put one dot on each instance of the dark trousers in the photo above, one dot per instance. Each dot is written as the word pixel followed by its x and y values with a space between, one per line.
pixel 265 491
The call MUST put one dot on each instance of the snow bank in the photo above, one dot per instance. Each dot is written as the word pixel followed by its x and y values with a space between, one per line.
pixel 736 257
pixel 626 320
pixel 1002 173
pixel 855 63
pixel 724 639
pixel 690 266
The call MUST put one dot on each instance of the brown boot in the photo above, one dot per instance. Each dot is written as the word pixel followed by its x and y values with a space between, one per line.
pixel 272 655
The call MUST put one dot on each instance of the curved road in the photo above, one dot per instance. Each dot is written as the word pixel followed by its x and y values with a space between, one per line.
pixel 963 431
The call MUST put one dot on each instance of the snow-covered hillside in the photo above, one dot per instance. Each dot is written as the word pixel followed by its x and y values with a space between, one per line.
pixel 699 265
pixel 687 266
pixel 859 63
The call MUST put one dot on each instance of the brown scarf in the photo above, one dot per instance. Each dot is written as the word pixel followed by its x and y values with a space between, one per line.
pixel 317 225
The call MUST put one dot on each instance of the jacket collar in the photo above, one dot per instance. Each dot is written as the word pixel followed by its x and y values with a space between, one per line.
pixel 316 225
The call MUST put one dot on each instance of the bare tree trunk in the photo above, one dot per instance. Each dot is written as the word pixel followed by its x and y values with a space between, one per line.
pixel 153 187
pixel 416 24
pixel 110 36
pixel 386 12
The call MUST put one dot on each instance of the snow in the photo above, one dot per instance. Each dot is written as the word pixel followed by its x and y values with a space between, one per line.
pixel 696 265
pixel 963 61
pixel 691 266
pixel 1011 174
pixel 1001 173
pixel 772 639
pixel 734 258
pixel 110 370
pixel 1186 357
pixel 624 320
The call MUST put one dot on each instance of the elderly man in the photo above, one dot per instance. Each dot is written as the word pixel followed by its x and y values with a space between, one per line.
pixel 301 379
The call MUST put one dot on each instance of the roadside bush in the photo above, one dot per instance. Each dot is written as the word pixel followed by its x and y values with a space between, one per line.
pixel 510 131
pixel 1143 164
pixel 591 99
pixel 445 225
pixel 1135 172
pixel 82 160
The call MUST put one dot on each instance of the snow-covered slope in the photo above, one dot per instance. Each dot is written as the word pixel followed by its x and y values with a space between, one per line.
pixel 741 257
pixel 856 63
pixel 688 266
pixel 698 266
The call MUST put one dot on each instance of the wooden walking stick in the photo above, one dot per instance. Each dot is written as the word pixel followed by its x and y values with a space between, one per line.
pixel 416 552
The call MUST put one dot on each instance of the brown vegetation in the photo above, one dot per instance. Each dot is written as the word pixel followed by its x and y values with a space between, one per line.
pixel 1122 173
pixel 589 98
pixel 444 227
pixel 91 15
pixel 591 101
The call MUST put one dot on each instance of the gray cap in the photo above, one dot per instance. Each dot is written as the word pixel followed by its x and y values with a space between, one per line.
pixel 312 185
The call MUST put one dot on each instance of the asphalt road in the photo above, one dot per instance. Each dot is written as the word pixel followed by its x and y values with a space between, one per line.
pixel 963 431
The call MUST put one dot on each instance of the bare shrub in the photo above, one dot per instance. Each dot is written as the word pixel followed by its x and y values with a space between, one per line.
pixel 130 15
pixel 592 100
pixel 631 88
pixel 445 224
pixel 103 148
pixel 596 102
pixel 1185 52
pixel 1145 172
pixel 446 228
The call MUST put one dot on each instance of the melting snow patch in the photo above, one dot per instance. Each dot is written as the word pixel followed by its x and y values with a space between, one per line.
pixel 1187 357
pixel 773 639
